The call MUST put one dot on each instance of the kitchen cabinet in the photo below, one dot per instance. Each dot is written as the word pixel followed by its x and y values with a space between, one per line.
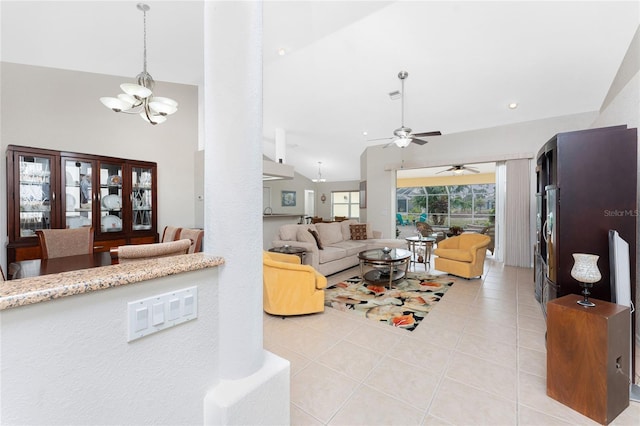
pixel 57 189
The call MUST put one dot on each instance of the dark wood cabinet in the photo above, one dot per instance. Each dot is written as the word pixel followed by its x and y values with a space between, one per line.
pixel 57 189
pixel 586 186
pixel 588 357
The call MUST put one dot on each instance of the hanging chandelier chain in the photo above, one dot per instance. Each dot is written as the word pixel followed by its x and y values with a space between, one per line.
pixel 144 50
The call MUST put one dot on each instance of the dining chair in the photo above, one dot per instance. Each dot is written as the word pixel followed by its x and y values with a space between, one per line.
pixel 138 252
pixel 170 233
pixel 196 236
pixel 65 242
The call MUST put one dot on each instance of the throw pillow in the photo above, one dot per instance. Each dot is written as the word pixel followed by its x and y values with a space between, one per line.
pixel 317 238
pixel 359 231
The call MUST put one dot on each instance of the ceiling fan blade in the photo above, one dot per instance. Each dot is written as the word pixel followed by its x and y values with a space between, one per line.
pixel 418 141
pixel 446 170
pixel 379 139
pixel 420 135
pixel 471 169
pixel 388 145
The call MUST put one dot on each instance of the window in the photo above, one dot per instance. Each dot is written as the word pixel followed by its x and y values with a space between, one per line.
pixel 448 205
pixel 345 203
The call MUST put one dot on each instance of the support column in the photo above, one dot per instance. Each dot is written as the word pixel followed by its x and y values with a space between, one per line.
pixel 254 385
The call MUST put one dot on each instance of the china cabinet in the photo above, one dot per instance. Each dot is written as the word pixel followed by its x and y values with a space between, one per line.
pixel 56 189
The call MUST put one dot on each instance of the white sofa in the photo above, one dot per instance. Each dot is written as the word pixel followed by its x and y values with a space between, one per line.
pixel 339 251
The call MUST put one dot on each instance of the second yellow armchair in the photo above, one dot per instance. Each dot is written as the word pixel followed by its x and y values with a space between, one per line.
pixel 290 288
pixel 462 255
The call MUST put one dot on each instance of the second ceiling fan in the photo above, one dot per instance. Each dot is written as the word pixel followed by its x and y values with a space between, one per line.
pixel 403 136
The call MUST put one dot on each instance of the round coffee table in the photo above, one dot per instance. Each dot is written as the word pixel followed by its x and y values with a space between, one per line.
pixel 388 265
pixel 298 251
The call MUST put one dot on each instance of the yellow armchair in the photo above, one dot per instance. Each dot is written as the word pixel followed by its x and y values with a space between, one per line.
pixel 462 255
pixel 290 288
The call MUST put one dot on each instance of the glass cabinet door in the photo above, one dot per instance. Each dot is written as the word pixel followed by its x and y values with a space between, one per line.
pixel 35 194
pixel 142 197
pixel 111 197
pixel 78 201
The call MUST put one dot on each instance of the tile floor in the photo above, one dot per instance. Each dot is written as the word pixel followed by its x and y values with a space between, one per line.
pixel 477 359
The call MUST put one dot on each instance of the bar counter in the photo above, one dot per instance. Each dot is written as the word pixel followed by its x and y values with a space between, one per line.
pixel 27 291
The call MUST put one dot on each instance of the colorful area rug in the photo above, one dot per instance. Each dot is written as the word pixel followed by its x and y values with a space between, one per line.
pixel 405 305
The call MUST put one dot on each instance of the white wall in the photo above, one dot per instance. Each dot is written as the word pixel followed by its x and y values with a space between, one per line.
pixel 61 110
pixel 68 362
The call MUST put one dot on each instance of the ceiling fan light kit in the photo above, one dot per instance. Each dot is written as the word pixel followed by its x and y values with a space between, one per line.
pixel 138 98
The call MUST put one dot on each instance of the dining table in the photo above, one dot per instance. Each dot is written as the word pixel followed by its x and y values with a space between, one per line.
pixel 37 267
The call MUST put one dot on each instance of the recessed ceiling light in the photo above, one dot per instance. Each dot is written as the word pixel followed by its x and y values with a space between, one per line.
pixel 282 51
pixel 513 105
pixel 365 133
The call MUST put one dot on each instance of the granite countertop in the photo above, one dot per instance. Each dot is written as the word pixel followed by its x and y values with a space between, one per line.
pixel 26 291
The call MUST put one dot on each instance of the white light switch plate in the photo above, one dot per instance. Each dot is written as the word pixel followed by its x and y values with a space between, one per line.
pixel 155 313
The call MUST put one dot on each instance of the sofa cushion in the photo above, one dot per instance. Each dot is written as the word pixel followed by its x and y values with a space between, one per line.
pixel 454 254
pixel 304 235
pixel 352 247
pixel 288 232
pixel 329 233
pixel 358 231
pixel 332 253
pixel 316 237
pixel 344 226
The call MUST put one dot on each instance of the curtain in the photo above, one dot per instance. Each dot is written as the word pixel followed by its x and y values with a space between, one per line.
pixel 517 230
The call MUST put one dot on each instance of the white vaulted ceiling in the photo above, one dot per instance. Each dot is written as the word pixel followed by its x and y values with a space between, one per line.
pixel 466 62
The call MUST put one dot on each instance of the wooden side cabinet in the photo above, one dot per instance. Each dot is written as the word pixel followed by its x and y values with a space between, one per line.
pixel 588 356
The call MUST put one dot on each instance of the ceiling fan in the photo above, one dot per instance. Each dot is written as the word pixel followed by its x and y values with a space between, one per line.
pixel 458 169
pixel 403 135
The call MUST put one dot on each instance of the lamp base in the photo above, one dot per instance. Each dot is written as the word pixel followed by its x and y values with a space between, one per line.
pixel 586 303
pixel 585 293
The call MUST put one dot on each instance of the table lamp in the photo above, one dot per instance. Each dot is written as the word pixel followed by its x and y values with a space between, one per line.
pixel 585 271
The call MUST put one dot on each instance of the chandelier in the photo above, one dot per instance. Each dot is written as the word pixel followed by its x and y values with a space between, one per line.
pixel 138 98
pixel 319 178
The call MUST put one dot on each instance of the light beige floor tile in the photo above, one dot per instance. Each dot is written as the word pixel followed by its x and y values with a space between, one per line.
pixel 531 311
pixel 532 323
pixel 321 391
pixel 532 362
pixel 532 339
pixel 409 383
pixel 307 342
pixel 371 407
pixel 497 352
pixel 437 334
pixel 375 338
pixel 298 362
pixel 422 354
pixel 485 304
pixel 350 359
pixel 434 421
pixel 461 404
pixel 337 325
pixel 442 318
pixel 629 417
pixel 530 417
pixel 484 375
pixel 300 418
pixel 532 392
pixel 492 330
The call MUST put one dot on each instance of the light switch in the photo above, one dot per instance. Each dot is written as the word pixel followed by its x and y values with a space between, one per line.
pixel 157 316
pixel 188 305
pixel 174 309
pixel 142 319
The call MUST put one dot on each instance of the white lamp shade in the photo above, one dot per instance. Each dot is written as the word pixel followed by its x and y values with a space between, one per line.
pixel 128 99
pixel 164 100
pixel 135 90
pixel 585 268
pixel 402 142
pixel 162 108
pixel 115 104
pixel 157 119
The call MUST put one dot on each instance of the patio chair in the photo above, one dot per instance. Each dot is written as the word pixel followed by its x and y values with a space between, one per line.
pixel 400 220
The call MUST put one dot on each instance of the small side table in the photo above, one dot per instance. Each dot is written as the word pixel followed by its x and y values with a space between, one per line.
pixel 298 251
pixel 413 243
pixel 588 351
